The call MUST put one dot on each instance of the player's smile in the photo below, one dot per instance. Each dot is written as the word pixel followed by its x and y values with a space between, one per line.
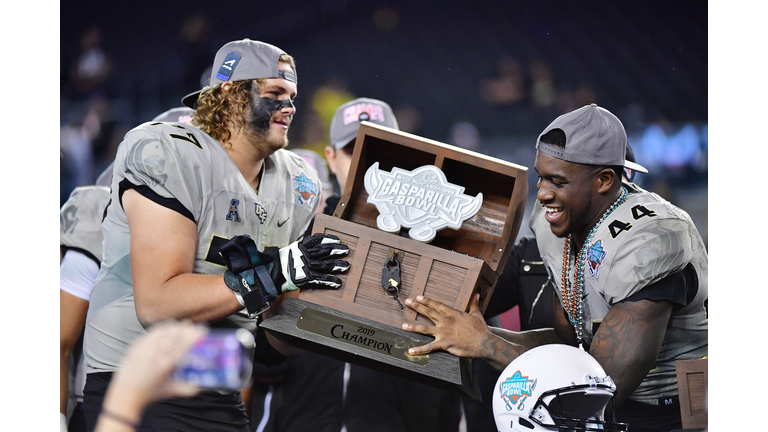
pixel 283 122
pixel 552 214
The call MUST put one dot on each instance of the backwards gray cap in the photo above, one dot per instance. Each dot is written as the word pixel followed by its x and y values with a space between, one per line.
pixel 346 120
pixel 593 136
pixel 243 60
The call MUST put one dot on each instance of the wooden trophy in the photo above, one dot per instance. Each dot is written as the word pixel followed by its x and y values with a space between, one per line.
pixel 420 218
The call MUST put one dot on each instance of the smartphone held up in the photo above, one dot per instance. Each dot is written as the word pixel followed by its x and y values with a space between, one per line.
pixel 221 360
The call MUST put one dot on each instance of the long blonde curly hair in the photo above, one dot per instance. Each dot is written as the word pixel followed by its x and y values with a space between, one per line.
pixel 216 107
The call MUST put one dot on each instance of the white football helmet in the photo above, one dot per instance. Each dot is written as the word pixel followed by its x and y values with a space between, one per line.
pixel 554 388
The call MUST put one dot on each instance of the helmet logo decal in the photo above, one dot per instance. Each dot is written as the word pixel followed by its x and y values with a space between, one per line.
pixel 595 255
pixel 516 387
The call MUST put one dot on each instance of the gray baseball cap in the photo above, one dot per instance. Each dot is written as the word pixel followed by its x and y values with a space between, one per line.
pixel 593 136
pixel 346 120
pixel 243 60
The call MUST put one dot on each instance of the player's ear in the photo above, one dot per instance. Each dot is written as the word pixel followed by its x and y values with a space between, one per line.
pixel 330 156
pixel 605 179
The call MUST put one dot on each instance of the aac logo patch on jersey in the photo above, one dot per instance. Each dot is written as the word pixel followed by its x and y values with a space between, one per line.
pixel 595 255
pixel 515 388
pixel 305 188
pixel 233 214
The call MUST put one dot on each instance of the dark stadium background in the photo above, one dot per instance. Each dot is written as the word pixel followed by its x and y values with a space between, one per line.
pixel 430 60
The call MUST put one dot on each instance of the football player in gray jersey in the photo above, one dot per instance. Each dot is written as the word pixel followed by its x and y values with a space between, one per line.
pixel 80 243
pixel 205 224
pixel 629 270
pixel 81 251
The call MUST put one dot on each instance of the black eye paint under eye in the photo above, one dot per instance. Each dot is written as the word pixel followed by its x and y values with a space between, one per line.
pixel 262 111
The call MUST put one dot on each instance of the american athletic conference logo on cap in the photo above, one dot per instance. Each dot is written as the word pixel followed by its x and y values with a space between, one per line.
pixel 228 66
pixel 305 189
pixel 516 387
pixel 421 199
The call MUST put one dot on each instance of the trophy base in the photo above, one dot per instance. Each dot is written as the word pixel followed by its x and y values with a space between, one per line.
pixel 370 344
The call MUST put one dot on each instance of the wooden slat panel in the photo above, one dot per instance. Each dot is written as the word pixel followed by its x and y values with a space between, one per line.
pixel 453 277
pixel 444 283
pixel 692 378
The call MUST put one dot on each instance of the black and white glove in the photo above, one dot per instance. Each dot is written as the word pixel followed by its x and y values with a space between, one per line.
pixel 311 262
pixel 257 278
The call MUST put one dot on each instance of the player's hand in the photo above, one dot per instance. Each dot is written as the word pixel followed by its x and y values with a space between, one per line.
pixel 312 262
pixel 460 333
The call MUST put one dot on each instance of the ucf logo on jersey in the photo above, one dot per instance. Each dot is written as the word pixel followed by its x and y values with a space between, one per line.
pixel 261 213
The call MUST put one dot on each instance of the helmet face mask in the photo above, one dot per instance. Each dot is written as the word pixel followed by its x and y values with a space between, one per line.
pixel 555 388
pixel 576 408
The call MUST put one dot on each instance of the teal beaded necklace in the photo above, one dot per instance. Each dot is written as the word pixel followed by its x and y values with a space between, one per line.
pixel 573 296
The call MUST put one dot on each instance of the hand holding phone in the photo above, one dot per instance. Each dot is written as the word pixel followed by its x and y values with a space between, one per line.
pixel 145 375
pixel 221 360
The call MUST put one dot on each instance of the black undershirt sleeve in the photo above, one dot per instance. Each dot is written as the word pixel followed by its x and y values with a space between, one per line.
pixel 171 203
pixel 84 252
pixel 680 288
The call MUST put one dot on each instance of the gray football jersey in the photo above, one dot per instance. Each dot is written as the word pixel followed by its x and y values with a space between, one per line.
pixel 80 226
pixel 80 220
pixel 182 168
pixel 641 242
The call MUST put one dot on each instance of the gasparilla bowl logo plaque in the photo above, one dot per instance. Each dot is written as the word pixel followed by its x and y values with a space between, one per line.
pixel 421 200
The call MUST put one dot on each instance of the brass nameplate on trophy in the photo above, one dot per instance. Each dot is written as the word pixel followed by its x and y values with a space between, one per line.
pixel 360 335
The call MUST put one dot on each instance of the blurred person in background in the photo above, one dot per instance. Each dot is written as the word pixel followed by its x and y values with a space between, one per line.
pixel 92 67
